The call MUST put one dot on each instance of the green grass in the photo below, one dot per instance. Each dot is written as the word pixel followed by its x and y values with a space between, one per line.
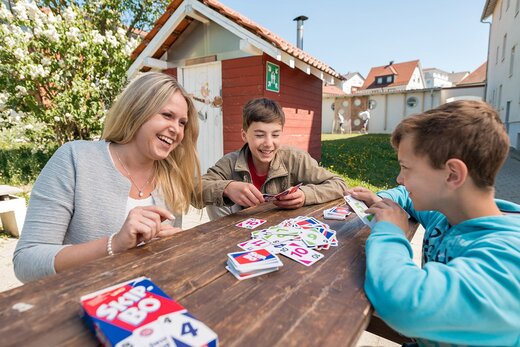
pixel 362 160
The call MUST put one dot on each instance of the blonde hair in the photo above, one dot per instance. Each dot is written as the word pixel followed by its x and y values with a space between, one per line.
pixel 178 175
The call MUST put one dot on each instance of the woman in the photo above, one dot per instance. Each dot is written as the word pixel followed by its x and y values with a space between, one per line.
pixel 98 198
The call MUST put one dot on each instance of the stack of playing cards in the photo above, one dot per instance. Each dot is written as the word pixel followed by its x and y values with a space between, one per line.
pixel 273 197
pixel 252 263
pixel 337 212
pixel 139 313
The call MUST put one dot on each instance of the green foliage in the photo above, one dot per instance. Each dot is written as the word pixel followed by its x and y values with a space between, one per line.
pixel 20 164
pixel 366 160
pixel 62 63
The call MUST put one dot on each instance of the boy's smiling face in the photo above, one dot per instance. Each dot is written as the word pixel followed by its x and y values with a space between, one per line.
pixel 263 140
pixel 425 185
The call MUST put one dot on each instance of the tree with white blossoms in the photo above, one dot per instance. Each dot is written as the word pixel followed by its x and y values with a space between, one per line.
pixel 62 63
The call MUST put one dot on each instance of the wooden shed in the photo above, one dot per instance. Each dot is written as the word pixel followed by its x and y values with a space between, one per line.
pixel 224 59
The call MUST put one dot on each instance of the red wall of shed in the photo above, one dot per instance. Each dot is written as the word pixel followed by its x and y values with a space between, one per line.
pixel 300 97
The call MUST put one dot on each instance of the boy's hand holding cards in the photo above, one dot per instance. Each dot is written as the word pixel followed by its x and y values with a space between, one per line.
pixel 290 190
pixel 360 207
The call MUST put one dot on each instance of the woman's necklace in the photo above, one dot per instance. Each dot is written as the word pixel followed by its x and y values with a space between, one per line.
pixel 140 190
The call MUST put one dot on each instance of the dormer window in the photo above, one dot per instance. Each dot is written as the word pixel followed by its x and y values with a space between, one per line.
pixel 385 79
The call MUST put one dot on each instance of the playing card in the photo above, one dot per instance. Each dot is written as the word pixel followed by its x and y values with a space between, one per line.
pixel 187 331
pixel 313 238
pixel 277 239
pixel 290 190
pixel 298 252
pixel 251 223
pixel 360 207
pixel 253 244
pixel 254 260
pixel 243 276
pixel 337 213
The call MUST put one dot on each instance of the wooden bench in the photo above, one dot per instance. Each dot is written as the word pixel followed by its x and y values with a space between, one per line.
pixel 12 210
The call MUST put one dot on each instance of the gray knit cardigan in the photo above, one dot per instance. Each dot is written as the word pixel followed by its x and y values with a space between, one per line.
pixel 79 196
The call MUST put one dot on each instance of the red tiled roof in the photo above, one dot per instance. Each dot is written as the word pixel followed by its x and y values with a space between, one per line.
pixel 333 90
pixel 477 76
pixel 402 72
pixel 239 19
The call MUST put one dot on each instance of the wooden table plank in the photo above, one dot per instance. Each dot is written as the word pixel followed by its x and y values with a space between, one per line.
pixel 324 303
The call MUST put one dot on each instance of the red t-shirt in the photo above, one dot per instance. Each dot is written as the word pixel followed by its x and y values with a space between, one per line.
pixel 258 181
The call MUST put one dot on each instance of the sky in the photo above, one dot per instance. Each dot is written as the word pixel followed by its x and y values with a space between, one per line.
pixel 355 35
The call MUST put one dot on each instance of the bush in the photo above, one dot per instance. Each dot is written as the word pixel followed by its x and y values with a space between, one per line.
pixel 20 164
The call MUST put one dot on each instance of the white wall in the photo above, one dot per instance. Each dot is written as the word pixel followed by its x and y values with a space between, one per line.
pixel 416 81
pixel 355 81
pixel 505 21
pixel 327 115
pixel 391 108
pixel 462 93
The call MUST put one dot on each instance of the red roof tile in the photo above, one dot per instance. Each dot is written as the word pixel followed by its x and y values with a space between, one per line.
pixel 333 90
pixel 477 76
pixel 241 20
pixel 402 72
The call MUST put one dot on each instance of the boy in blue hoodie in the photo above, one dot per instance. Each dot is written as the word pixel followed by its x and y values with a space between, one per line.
pixel 468 289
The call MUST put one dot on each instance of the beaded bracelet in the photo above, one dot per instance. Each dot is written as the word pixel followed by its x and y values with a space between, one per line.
pixel 109 245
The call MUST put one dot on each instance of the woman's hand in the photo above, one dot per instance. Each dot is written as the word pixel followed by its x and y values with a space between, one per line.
pixel 363 194
pixel 142 225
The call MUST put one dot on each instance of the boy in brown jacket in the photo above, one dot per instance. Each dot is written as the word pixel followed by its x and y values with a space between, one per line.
pixel 239 179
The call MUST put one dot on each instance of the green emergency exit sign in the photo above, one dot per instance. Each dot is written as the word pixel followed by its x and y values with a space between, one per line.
pixel 272 78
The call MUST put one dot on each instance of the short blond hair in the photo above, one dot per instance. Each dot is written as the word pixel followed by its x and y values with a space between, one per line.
pixel 179 174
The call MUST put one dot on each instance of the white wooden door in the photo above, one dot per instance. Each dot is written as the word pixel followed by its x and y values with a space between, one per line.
pixel 204 83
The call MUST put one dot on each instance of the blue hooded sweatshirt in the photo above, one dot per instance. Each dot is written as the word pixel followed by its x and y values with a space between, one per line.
pixel 468 290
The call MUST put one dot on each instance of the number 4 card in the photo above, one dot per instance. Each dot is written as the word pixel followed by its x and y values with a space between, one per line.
pixel 187 330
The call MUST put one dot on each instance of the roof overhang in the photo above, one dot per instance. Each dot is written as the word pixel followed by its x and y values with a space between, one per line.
pixel 489 8
pixel 250 43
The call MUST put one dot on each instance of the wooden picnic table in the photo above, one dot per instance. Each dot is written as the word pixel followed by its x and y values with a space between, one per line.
pixel 320 305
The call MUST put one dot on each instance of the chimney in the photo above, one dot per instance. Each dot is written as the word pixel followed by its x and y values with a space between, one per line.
pixel 299 30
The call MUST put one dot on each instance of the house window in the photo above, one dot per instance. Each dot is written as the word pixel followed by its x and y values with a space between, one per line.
pixel 512 61
pixel 498 49
pixel 389 79
pixel 501 8
pixel 504 47
pixel 411 101
pixel 493 98
pixel 379 80
pixel 499 101
pixel 517 7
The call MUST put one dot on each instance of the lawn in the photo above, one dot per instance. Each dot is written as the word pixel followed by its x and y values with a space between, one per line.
pixel 366 160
